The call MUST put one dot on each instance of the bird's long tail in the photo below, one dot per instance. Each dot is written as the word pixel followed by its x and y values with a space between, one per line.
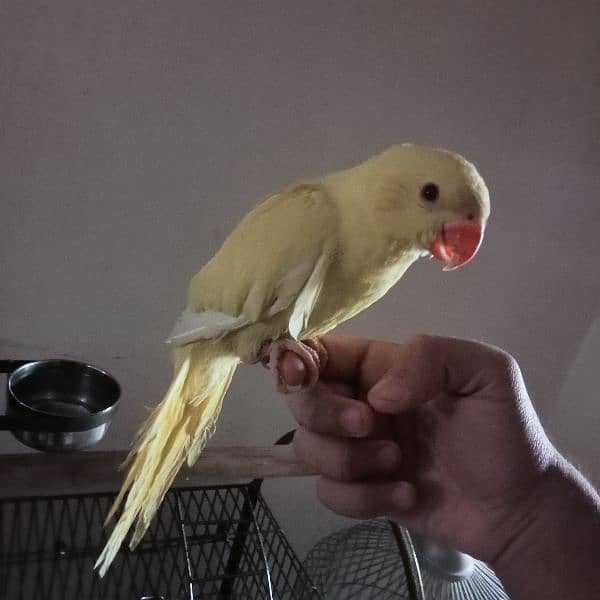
pixel 176 430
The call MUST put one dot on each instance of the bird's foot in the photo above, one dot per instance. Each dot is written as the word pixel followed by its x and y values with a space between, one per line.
pixel 311 353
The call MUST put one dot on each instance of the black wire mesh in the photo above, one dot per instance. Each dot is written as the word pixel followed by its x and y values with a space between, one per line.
pixel 359 563
pixel 363 562
pixel 213 542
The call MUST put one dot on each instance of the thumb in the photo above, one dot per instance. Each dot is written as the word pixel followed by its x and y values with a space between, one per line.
pixel 390 395
pixel 428 367
pixel 417 375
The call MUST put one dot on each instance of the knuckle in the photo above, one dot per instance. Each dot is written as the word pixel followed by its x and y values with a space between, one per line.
pixel 310 412
pixel 308 448
pixel 368 504
pixel 421 344
pixel 504 369
pixel 506 364
pixel 304 409
pixel 343 469
pixel 299 441
pixel 420 340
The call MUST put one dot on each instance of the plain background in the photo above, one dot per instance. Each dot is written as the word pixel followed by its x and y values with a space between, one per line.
pixel 135 135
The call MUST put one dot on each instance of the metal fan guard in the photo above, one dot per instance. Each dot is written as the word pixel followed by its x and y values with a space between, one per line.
pixel 363 562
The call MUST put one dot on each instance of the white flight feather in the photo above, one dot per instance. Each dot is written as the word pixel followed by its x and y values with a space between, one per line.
pixel 288 288
pixel 305 302
pixel 192 326
pixel 296 286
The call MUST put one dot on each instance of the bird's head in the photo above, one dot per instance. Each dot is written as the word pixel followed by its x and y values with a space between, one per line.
pixel 433 200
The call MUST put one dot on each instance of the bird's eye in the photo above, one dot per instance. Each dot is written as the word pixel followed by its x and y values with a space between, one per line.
pixel 430 192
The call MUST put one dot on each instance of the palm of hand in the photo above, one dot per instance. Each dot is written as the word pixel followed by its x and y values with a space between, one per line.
pixel 468 486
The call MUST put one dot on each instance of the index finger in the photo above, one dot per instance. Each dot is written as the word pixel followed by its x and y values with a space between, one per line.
pixel 427 367
pixel 347 358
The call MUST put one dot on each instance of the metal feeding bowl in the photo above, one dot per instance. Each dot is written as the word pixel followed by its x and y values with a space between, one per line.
pixel 58 405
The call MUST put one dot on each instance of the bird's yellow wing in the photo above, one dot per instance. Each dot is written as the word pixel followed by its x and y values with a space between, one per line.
pixel 275 260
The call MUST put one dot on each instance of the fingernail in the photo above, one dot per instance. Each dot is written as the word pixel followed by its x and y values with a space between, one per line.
pixel 388 389
pixel 403 496
pixel 292 370
pixel 352 421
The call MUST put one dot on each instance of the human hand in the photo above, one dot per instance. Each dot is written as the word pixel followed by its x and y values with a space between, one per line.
pixel 438 434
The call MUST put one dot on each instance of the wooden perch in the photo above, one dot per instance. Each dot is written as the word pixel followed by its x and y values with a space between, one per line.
pixel 42 474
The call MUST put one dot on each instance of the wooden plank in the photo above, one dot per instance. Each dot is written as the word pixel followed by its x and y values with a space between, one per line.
pixel 39 474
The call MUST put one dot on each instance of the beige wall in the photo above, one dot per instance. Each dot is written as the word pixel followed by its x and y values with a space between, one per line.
pixel 134 135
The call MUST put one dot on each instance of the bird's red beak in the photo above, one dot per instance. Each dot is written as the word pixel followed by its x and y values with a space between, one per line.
pixel 457 243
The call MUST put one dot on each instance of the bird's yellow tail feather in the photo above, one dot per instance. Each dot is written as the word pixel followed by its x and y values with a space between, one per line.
pixel 176 430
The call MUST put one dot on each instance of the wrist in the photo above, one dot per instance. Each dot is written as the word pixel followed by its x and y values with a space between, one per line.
pixel 555 552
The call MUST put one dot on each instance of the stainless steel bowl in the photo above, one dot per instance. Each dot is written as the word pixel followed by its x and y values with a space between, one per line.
pixel 58 405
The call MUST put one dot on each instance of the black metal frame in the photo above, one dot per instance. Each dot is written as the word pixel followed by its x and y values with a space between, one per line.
pixel 210 542
pixel 252 496
pixel 206 542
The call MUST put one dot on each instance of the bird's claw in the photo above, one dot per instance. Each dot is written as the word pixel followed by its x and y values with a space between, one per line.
pixel 312 354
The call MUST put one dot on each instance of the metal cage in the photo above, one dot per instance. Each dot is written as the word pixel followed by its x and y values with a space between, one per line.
pixel 207 542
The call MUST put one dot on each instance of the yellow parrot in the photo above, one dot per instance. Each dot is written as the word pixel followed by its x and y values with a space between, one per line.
pixel 302 261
